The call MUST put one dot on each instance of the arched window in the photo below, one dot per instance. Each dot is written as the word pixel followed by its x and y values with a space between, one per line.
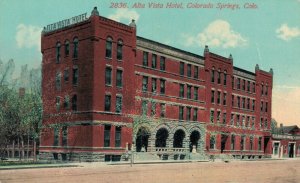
pixel 67 48
pixel 75 75
pixel 213 75
pixel 108 51
pixel 219 76
pixel 57 52
pixel 75 51
pixel 74 103
pixel 58 81
pixel 120 50
pixel 67 102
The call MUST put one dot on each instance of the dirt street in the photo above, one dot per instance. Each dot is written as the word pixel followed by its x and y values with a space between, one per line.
pixel 275 171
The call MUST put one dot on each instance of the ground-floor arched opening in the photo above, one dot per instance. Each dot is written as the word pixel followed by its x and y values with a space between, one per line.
pixel 179 135
pixel 161 137
pixel 142 139
pixel 194 139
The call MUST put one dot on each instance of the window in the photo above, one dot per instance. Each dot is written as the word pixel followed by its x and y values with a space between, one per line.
pixel 195 93
pixel 253 121
pixel 248 86
pixel 162 63
pixel 57 103
pixel 108 76
pixel 67 102
pixel 212 96
pixel 120 50
pixel 212 77
pixel 107 103
pixel 243 102
pixel 180 112
pixel 232 145
pixel 261 106
pixel 56 137
pixel 188 113
pixel 181 90
pixel 248 103
pixel 189 70
pixel 181 68
pixel 162 86
pixel 64 136
pixel 144 107
pixel 266 92
pixel 188 94
pixel 58 81
pixel 153 108
pixel 219 77
pixel 212 114
pixel 259 143
pixel 145 59
pixel 253 105
pixel 243 85
pixel 196 72
pixel 118 104
pixel 251 143
pixel 75 51
pixel 232 119
pixel 261 123
pixel 108 47
pixel 243 121
pixel 57 53
pixel 238 102
pixel 154 86
pixel 237 120
pixel 195 114
pixel 107 135
pixel 67 48
pixel 253 87
pixel 225 78
pixel 154 58
pixel 243 142
pixel 212 142
pixel 232 82
pixel 118 136
pixel 119 81
pixel 224 98
pixel 66 75
pixel 74 103
pixel 162 110
pixel 266 108
pixel 224 118
pixel 262 89
pixel 266 123
pixel 145 84
pixel 219 97
pixel 75 76
pixel 218 116
pixel 248 121
pixel 238 83
pixel 232 100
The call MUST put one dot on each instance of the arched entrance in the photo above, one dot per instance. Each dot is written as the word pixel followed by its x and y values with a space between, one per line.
pixel 161 137
pixel 194 139
pixel 178 139
pixel 141 141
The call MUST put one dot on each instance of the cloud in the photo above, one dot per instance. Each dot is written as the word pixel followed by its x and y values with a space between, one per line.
pixel 217 34
pixel 28 36
pixel 124 14
pixel 286 104
pixel 287 33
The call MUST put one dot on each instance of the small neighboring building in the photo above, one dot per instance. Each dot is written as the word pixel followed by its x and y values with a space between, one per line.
pixel 286 142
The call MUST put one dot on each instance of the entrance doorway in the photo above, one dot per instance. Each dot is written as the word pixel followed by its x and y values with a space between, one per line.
pixel 291 150
pixel 178 139
pixel 194 138
pixel 223 142
pixel 161 138
pixel 142 140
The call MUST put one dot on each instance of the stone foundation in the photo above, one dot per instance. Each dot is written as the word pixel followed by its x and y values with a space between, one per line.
pixel 74 156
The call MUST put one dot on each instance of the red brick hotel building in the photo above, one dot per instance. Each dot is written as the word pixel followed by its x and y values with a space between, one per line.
pixel 107 91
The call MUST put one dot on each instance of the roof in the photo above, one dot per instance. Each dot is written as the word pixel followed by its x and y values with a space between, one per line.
pixel 243 70
pixel 171 48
